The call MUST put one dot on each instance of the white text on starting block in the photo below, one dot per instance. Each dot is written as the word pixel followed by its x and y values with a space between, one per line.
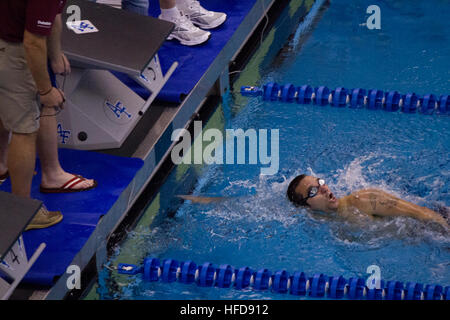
pixel 81 26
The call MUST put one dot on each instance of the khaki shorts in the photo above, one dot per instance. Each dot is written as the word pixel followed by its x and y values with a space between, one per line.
pixel 19 106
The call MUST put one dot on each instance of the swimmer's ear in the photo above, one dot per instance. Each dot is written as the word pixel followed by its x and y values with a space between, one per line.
pixel 199 199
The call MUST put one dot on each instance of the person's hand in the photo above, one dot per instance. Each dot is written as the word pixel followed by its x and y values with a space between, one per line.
pixel 61 65
pixel 55 98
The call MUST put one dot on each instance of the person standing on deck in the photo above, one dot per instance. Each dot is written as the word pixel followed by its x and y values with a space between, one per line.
pixel 25 27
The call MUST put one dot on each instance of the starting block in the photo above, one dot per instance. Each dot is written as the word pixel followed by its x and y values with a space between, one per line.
pixel 14 263
pixel 100 111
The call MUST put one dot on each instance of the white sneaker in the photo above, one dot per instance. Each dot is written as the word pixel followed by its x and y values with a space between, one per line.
pixel 186 32
pixel 201 17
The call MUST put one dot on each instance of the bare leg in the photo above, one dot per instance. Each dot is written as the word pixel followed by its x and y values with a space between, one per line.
pixel 167 4
pixel 53 175
pixel 21 160
pixel 136 6
pixel 4 140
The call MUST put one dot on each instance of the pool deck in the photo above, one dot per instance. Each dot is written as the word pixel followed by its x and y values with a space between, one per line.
pixel 154 146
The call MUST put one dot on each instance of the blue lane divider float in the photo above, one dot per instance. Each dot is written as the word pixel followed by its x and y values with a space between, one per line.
pixel 297 283
pixel 353 98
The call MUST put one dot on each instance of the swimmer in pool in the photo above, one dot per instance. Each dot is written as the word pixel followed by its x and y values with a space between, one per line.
pixel 312 192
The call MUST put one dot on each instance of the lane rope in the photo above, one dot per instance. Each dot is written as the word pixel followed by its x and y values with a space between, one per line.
pixel 298 283
pixel 357 98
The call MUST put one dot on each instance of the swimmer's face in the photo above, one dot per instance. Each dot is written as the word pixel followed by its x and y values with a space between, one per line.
pixel 318 195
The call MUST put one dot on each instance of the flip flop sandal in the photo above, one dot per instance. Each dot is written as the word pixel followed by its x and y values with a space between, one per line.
pixel 69 186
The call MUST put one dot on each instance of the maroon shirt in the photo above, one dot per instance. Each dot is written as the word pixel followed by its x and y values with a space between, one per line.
pixel 36 16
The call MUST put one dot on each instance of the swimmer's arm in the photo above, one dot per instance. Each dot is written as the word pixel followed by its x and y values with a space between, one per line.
pixel 379 203
pixel 199 199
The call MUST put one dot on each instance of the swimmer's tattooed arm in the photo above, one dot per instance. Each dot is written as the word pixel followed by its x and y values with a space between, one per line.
pixel 388 203
pixel 375 202
pixel 378 200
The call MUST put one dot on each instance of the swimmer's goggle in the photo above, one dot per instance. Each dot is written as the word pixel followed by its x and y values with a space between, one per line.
pixel 313 191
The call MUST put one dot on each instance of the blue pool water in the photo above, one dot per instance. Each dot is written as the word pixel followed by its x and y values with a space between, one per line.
pixel 407 155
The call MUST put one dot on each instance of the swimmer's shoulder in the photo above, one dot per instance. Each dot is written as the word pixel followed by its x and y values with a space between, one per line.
pixel 368 194
pixel 359 200
pixel 354 197
pixel 367 191
pixel 349 208
pixel 345 203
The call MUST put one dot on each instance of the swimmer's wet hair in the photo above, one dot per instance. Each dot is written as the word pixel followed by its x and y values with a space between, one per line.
pixel 293 196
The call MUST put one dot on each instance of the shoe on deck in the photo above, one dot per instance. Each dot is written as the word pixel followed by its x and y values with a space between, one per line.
pixel 201 17
pixel 44 219
pixel 186 32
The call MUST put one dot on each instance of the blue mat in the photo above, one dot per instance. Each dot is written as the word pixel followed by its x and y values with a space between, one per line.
pixel 81 210
pixel 193 61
